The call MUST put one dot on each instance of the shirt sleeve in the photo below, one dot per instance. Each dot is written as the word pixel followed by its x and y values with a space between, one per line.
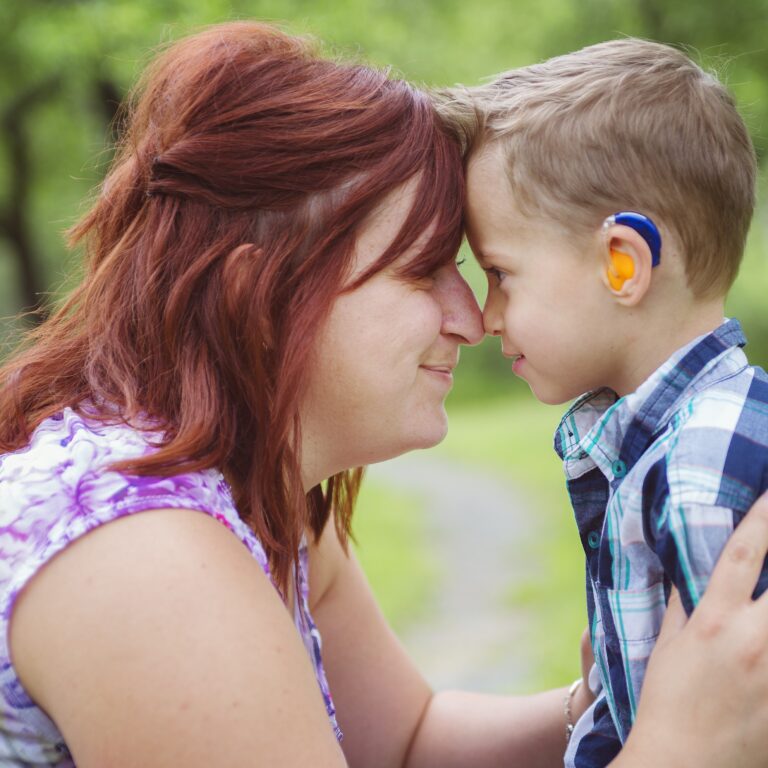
pixel 594 740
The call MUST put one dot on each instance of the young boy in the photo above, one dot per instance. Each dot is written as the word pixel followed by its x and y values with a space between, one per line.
pixel 609 196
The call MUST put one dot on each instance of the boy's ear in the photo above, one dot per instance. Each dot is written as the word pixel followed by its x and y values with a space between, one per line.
pixel 626 264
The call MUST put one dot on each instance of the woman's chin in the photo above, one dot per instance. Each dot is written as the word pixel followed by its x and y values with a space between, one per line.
pixel 381 441
pixel 431 434
pixel 414 441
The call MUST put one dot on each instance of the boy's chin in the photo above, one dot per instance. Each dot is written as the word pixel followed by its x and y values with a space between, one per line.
pixel 552 396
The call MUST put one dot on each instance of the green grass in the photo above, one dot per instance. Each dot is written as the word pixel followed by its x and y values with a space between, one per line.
pixel 514 438
pixel 394 552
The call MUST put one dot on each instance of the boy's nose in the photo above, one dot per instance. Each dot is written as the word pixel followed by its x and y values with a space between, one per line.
pixel 492 316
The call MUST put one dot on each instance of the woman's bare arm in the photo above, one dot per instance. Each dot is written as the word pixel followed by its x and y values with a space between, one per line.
pixel 386 709
pixel 157 640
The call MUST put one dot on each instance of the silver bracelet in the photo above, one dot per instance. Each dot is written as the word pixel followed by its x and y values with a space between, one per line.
pixel 568 701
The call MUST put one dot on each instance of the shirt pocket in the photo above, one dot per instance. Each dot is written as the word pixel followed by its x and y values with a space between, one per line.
pixel 636 614
pixel 631 622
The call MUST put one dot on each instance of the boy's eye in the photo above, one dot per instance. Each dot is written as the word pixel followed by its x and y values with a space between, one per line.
pixel 496 274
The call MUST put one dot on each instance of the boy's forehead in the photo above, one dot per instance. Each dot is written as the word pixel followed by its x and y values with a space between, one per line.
pixel 492 208
pixel 488 187
pixel 496 213
pixel 487 166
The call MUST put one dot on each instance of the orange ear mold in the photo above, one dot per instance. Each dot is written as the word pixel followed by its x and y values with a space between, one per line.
pixel 622 267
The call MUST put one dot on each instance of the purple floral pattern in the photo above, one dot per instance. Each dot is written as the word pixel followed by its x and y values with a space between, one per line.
pixel 55 490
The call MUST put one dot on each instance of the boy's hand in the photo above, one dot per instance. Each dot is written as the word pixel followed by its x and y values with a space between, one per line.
pixel 587 658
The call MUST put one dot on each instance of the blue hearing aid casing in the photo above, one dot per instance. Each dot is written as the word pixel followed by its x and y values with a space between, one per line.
pixel 644 227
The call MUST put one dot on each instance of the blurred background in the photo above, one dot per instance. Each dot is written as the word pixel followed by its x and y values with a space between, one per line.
pixel 470 547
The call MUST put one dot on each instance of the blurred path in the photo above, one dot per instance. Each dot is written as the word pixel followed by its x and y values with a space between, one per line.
pixel 479 528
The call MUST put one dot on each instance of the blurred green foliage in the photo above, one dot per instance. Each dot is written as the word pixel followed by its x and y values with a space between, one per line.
pixel 65 65
pixel 391 542
pixel 513 438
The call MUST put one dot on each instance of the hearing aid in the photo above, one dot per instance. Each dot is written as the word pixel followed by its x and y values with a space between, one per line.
pixel 622 267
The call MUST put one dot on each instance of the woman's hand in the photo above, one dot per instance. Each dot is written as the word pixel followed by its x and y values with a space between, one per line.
pixel 705 697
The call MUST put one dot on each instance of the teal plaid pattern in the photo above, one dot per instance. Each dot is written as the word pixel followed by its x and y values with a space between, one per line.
pixel 658 480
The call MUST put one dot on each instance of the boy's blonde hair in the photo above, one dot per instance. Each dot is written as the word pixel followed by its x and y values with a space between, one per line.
pixel 622 125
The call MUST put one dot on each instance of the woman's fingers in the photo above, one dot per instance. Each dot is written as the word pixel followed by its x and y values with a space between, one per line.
pixel 741 561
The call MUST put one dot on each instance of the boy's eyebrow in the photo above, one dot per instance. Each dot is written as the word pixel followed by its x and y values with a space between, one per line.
pixel 479 255
pixel 484 258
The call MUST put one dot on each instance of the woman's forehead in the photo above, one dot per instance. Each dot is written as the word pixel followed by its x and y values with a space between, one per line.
pixel 383 225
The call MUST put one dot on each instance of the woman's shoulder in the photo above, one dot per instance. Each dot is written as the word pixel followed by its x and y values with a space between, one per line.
pixel 62 485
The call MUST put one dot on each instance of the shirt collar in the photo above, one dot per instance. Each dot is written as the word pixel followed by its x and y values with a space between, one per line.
pixel 611 432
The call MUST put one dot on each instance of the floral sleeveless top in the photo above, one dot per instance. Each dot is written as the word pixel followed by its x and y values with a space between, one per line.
pixel 57 489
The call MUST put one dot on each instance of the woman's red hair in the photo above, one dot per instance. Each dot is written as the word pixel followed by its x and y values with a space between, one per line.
pixel 220 238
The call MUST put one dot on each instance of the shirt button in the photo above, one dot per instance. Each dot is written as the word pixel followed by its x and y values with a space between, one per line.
pixel 619 468
pixel 593 539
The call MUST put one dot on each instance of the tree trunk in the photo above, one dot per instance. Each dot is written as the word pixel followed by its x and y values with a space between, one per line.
pixel 14 220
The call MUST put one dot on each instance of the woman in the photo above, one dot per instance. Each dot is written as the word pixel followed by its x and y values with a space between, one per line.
pixel 271 300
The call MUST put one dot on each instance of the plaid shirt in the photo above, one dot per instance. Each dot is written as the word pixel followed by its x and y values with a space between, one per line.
pixel 658 481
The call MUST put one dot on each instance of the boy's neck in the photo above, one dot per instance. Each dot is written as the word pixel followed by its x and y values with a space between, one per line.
pixel 653 343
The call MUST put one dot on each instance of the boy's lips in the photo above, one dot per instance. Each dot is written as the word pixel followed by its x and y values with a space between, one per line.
pixel 518 358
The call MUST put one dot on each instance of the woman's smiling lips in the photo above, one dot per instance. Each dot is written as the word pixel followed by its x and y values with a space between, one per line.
pixel 441 371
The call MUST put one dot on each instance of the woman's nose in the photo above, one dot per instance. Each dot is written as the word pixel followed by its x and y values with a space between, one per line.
pixel 461 313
